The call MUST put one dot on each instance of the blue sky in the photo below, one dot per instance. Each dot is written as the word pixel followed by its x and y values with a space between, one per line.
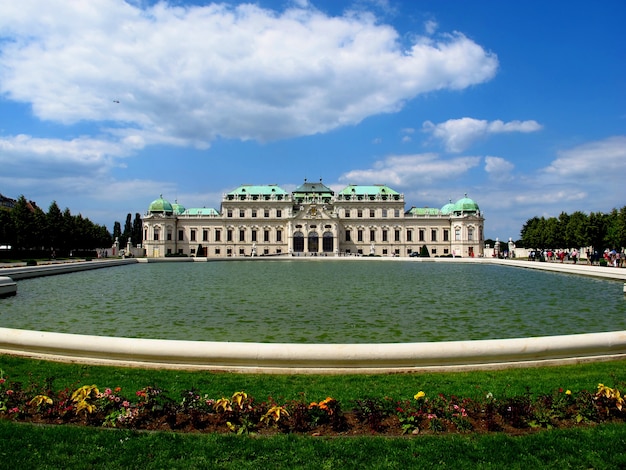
pixel 106 104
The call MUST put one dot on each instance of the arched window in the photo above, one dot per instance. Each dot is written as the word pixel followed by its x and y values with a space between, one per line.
pixel 327 242
pixel 314 243
pixel 298 242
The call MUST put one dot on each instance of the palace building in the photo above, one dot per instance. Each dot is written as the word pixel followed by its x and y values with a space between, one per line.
pixel 313 220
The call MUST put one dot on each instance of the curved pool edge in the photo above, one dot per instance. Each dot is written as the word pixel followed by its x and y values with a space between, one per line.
pixel 314 358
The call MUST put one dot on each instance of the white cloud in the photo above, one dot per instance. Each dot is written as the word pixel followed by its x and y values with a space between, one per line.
pixel 411 170
pixel 431 27
pixel 605 159
pixel 459 134
pixel 187 75
pixel 498 168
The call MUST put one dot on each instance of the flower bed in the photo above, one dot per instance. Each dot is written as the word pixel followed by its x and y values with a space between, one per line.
pixel 152 408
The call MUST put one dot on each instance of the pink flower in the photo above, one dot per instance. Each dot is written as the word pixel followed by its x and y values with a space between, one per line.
pixel 14 410
pixel 2 381
pixel 10 392
pixel 125 404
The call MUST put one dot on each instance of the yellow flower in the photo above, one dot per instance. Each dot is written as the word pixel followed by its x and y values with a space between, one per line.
pixel 419 395
pixel 568 392
pixel 40 400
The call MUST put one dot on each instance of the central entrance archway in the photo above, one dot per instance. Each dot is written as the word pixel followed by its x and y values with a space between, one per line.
pixel 327 242
pixel 314 242
pixel 298 242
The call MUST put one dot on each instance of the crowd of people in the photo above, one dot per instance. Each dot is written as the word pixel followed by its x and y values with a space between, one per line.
pixel 613 258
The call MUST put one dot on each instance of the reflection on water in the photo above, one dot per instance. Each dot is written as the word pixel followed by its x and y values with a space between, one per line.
pixel 325 301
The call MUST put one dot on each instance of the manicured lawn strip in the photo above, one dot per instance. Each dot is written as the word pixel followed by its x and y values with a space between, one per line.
pixel 343 388
pixel 69 447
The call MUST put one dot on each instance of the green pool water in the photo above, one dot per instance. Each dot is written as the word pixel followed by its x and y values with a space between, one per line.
pixel 325 301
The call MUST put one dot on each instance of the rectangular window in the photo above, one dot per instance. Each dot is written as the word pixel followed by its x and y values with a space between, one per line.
pixel 169 236
pixel 396 235
pixel 229 213
pixel 205 235
pixel 384 212
pixel 359 235
pixel 457 234
pixel 348 236
pixel 193 235
pixel 266 235
pixel 372 235
pixel 156 235
pixel 229 235
pixel 254 235
pixel 217 251
pixel 433 235
pixel 384 235
pixel 242 235
pixel 359 213
pixel 181 235
pixel 396 213
pixel 446 235
pixel 253 212
pixel 347 213
pixel 266 213
pixel 279 235
pixel 470 234
pixel 409 235
pixel 278 213
pixel 372 213
pixel 421 234
pixel 242 213
pixel 218 236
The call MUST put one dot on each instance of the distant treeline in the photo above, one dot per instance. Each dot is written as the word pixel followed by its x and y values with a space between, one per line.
pixel 30 231
pixel 597 230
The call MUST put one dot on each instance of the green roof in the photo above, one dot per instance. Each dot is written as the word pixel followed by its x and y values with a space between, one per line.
pixel 160 205
pixel 364 190
pixel 178 208
pixel 201 211
pixel 258 190
pixel 448 208
pixel 423 211
pixel 465 205
pixel 313 188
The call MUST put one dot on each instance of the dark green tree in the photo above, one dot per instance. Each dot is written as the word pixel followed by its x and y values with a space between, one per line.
pixel 117 232
pixel 137 233
pixel 54 226
pixel 128 230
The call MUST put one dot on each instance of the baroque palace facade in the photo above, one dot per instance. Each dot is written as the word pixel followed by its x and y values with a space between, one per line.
pixel 313 220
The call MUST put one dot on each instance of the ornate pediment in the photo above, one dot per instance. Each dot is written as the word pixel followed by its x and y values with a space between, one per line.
pixel 314 212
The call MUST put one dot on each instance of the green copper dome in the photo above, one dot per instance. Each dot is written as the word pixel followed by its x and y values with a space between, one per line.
pixel 160 206
pixel 466 205
pixel 448 208
pixel 178 208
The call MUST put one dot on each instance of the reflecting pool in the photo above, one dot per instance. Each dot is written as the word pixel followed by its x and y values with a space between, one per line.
pixel 321 301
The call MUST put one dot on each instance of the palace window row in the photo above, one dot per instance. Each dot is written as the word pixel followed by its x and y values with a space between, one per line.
pixel 347 213
pixel 255 213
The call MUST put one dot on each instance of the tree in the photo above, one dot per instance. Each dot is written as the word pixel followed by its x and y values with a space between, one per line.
pixel 128 230
pixel 117 231
pixel 54 226
pixel 137 233
pixel 27 225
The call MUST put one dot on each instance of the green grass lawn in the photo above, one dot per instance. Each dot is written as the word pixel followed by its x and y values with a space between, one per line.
pixel 34 446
